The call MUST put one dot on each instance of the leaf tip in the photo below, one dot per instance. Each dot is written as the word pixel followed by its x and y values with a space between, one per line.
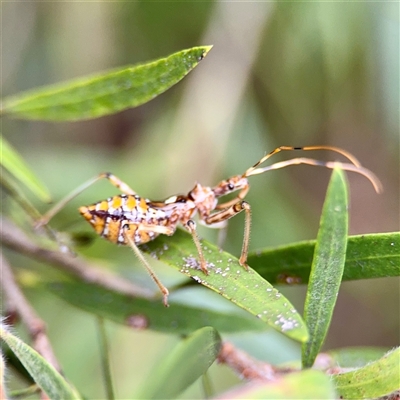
pixel 206 50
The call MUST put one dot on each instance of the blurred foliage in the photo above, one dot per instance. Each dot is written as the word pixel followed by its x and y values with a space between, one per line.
pixel 279 74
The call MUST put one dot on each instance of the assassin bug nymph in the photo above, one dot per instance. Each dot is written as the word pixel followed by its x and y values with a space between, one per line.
pixel 129 219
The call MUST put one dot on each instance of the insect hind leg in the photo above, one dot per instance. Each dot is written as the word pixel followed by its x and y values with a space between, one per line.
pixel 114 180
pixel 118 183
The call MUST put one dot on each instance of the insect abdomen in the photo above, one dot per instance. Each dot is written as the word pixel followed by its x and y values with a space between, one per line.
pixel 109 218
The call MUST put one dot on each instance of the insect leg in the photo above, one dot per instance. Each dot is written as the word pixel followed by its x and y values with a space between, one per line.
pixel 115 181
pixel 240 196
pixel 144 262
pixel 191 227
pixel 229 213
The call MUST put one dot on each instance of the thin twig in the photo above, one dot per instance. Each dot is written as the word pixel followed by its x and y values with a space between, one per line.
pixel 247 367
pixel 14 238
pixel 105 359
pixel 254 370
pixel 36 327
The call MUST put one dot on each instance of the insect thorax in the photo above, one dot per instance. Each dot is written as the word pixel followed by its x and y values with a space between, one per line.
pixel 204 199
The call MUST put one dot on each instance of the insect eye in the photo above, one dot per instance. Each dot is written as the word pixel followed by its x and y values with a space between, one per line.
pixel 231 186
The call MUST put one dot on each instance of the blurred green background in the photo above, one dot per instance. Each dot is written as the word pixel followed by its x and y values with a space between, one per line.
pixel 279 74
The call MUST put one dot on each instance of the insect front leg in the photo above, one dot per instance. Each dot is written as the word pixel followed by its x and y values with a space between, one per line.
pixel 239 197
pixel 115 181
pixel 229 213
pixel 191 227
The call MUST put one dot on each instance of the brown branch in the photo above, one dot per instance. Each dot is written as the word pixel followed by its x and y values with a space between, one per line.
pixel 247 367
pixel 254 370
pixel 15 239
pixel 36 327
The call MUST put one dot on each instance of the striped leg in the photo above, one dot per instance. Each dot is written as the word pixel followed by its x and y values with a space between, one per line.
pixel 229 213
pixel 191 227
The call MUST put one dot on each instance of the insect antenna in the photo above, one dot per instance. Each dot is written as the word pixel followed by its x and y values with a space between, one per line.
pixel 354 166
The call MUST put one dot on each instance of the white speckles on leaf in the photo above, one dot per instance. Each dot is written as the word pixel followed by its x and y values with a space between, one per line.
pixel 245 288
pixel 191 262
pixel 197 279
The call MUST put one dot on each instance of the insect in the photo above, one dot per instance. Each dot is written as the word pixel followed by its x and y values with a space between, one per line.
pixel 128 219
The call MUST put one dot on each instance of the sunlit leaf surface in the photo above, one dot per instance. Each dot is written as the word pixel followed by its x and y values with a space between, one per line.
pixel 247 289
pixel 105 93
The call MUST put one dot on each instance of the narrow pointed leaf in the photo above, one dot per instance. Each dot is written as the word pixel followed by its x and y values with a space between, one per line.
pixel 301 385
pixel 368 256
pixel 247 289
pixel 44 374
pixel 183 365
pixel 327 267
pixel 105 93
pixel 377 379
pixel 14 163
pixel 151 314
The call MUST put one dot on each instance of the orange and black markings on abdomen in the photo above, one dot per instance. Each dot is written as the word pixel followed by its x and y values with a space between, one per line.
pixel 109 218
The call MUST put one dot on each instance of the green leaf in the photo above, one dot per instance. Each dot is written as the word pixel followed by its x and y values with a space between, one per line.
pixel 367 256
pixel 183 365
pixel 374 380
pixel 247 289
pixel 44 374
pixel 15 364
pixel 356 357
pixel 105 93
pixel 142 313
pixel 327 267
pixel 14 163
pixel 300 385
